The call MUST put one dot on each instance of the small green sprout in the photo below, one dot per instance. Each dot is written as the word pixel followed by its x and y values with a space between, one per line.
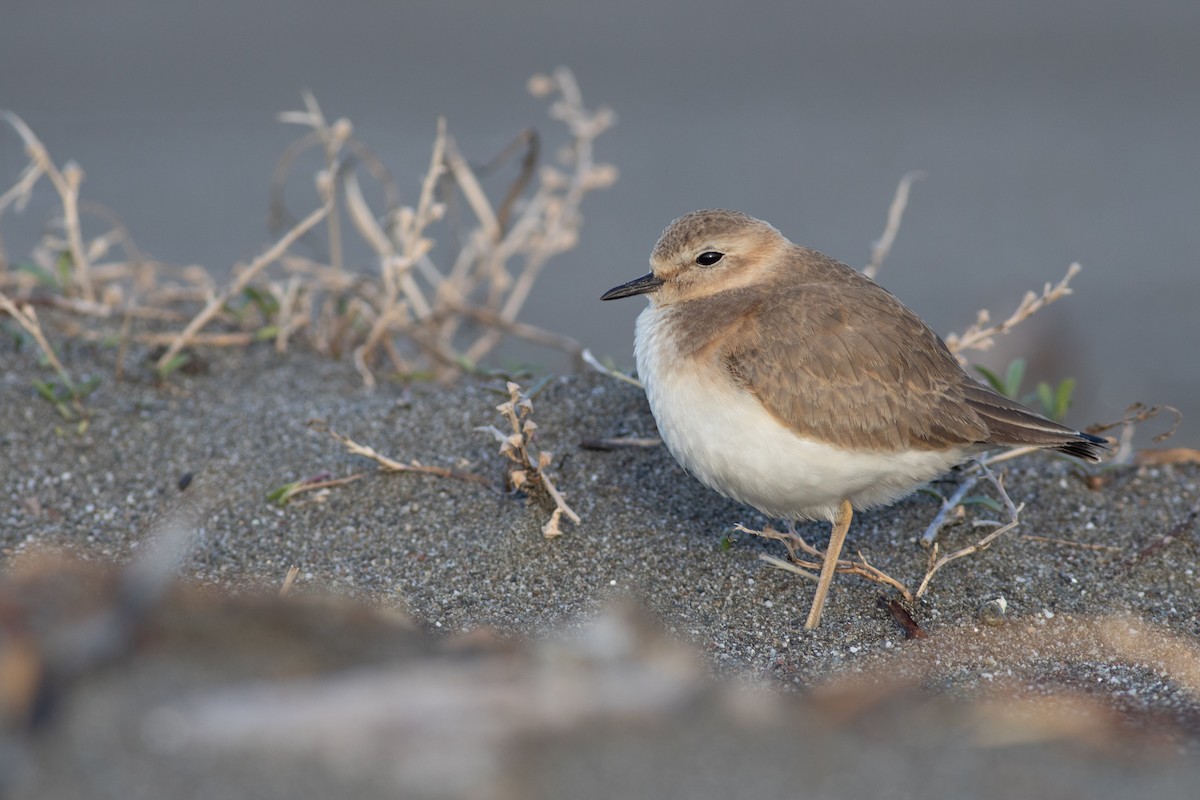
pixel 175 363
pixel 1055 400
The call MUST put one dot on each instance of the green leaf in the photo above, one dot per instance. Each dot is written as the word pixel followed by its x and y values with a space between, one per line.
pixel 1046 397
pixel 1062 398
pixel 177 361
pixel 1016 374
pixel 43 277
pixel 541 383
pixel 266 303
pixel 284 493
pixel 992 378
pixel 981 500
pixel 84 389
pixel 931 492
pixel 47 390
pixel 64 268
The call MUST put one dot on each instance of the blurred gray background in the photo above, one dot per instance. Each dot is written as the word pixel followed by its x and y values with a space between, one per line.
pixel 1050 132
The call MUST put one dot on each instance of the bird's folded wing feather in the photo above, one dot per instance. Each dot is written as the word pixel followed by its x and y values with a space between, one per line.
pixel 846 363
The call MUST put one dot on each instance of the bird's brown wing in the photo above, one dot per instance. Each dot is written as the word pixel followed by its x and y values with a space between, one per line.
pixel 844 362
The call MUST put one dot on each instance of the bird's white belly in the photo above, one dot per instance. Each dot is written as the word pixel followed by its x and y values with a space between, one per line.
pixel 723 435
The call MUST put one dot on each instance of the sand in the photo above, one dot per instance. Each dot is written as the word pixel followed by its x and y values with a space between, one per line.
pixel 1102 623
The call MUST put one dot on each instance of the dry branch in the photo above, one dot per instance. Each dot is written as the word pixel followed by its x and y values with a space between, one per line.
pixel 528 468
pixel 595 364
pixel 883 246
pixel 1014 512
pixel 806 560
pixel 809 567
pixel 426 305
pixel 239 283
pixel 26 317
pixel 982 336
pixel 66 182
pixel 387 464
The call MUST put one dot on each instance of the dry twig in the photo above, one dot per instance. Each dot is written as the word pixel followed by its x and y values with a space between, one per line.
pixel 185 337
pixel 982 336
pixel 288 580
pixel 882 246
pixel 809 567
pixel 616 443
pixel 387 464
pixel 26 317
pixel 806 560
pixel 528 470
pixel 1133 416
pixel 1068 543
pixel 1014 512
pixel 595 364
pixel 421 310
pixel 66 183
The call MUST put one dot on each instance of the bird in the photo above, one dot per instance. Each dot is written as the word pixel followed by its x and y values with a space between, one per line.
pixel 795 384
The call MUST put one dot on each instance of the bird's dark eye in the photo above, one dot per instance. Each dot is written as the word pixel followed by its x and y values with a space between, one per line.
pixel 709 257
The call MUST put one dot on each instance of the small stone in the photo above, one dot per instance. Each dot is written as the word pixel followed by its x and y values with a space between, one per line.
pixel 994 612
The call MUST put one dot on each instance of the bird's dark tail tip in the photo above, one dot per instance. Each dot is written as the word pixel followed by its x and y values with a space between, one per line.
pixel 1086 446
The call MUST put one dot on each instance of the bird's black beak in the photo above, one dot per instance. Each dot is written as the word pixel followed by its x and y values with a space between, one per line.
pixel 642 285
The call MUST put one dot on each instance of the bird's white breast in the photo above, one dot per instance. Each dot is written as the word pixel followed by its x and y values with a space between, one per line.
pixel 722 434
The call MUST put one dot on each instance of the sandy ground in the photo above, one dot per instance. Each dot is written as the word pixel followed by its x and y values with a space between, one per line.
pixel 1090 683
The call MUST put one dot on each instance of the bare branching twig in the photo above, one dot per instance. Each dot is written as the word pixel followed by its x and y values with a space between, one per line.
pixel 806 560
pixel 239 283
pixel 1014 519
pixel 66 183
pixel 425 306
pixel 26 317
pixel 810 566
pixel 596 364
pixel 528 469
pixel 981 335
pixel 387 464
pixel 882 246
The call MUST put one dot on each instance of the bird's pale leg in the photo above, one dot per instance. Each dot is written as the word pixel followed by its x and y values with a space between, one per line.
pixel 836 539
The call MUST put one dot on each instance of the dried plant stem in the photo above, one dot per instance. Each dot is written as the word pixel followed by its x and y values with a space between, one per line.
pixel 559 216
pixel 185 337
pixel 66 182
pixel 26 317
pixel 473 192
pixel 231 339
pixel 788 566
pixel 414 312
pixel 288 580
pixel 1068 543
pixel 595 364
pixel 391 465
pixel 949 505
pixel 808 558
pixel 90 309
pixel 523 330
pixel 1016 452
pixel 1014 512
pixel 289 321
pixel 883 246
pixel 796 544
pixel 528 469
pixel 396 262
pixel 981 336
